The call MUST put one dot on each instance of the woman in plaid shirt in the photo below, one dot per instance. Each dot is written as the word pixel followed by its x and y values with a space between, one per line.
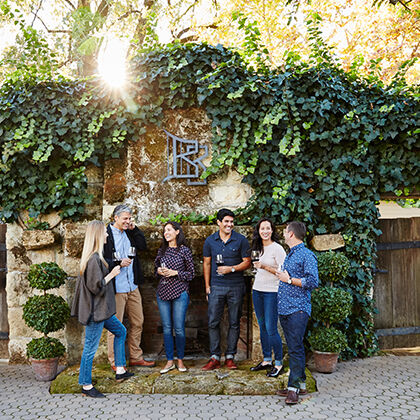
pixel 174 269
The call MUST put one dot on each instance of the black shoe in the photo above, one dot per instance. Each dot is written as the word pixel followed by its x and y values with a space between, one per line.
pixel 123 376
pixel 260 366
pixel 275 372
pixel 93 392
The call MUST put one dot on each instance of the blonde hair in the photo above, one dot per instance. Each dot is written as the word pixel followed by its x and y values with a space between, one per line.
pixel 94 242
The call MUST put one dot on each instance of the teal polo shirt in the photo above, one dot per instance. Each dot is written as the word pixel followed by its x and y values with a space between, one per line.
pixel 233 250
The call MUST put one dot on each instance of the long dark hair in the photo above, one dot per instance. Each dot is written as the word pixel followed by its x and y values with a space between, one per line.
pixel 257 244
pixel 180 238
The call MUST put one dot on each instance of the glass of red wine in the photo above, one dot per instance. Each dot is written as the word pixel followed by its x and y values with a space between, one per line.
pixel 116 258
pixel 219 262
pixel 131 252
pixel 255 256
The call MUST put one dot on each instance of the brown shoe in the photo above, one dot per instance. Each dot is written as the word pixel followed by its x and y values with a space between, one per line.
pixel 230 364
pixel 292 398
pixel 143 363
pixel 283 392
pixel 211 364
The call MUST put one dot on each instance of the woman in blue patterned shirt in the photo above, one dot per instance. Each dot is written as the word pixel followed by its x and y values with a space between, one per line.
pixel 174 268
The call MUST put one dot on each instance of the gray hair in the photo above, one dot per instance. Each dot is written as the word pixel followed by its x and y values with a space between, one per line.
pixel 121 208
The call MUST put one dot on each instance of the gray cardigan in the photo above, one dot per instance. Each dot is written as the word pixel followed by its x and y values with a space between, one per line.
pixel 94 300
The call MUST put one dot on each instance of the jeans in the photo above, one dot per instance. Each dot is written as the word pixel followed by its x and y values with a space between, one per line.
pixel 218 297
pixel 265 306
pixel 93 332
pixel 294 327
pixel 172 315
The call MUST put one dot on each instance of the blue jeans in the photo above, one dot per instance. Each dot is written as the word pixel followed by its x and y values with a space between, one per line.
pixel 294 327
pixel 172 315
pixel 218 297
pixel 93 332
pixel 265 306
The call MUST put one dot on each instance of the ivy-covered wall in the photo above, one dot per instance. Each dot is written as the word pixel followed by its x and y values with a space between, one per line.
pixel 313 142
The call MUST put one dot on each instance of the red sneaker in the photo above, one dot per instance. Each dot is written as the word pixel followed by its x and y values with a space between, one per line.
pixel 211 364
pixel 230 364
pixel 113 368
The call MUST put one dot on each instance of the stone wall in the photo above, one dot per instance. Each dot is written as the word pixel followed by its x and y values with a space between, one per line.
pixel 136 179
pixel 65 249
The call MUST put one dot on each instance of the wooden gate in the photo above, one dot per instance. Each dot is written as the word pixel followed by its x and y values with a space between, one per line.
pixel 4 326
pixel 397 283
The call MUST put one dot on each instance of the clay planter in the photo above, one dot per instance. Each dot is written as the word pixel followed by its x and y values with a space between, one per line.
pixel 44 369
pixel 325 362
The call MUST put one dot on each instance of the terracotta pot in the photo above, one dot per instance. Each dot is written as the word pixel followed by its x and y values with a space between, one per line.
pixel 45 369
pixel 325 362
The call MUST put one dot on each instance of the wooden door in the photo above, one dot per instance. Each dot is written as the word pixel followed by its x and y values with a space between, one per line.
pixel 397 283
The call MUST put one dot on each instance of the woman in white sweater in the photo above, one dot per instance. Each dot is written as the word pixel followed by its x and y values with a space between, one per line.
pixel 264 295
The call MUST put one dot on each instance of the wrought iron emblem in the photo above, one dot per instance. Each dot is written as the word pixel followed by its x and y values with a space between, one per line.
pixel 183 165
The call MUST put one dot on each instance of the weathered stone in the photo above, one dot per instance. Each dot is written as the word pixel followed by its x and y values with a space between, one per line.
pixel 13 236
pixel 73 237
pixel 194 381
pixel 18 259
pixel 327 242
pixel 17 350
pixel 17 326
pixel 71 266
pixel 17 288
pixel 94 174
pixel 42 255
pixel 37 239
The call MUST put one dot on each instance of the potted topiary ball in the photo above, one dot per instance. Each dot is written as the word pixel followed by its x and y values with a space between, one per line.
pixel 45 313
pixel 330 306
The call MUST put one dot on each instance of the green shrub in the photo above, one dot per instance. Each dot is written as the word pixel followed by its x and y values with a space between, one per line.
pixel 328 340
pixel 331 304
pixel 46 313
pixel 332 266
pixel 45 276
pixel 45 348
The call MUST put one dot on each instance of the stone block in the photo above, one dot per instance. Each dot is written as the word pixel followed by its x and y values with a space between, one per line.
pixel 17 288
pixel 327 242
pixel 230 196
pixel 37 239
pixel 94 174
pixel 17 350
pixel 71 266
pixel 17 326
pixel 73 237
pixel 42 255
pixel 17 258
pixel 13 236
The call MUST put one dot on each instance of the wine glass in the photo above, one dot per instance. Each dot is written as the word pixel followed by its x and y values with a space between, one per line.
pixel 163 265
pixel 219 262
pixel 116 258
pixel 255 256
pixel 131 252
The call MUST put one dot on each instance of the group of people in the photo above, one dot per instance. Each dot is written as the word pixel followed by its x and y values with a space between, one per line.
pixel 110 272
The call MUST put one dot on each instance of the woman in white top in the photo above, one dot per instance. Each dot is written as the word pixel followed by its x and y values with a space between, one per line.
pixel 264 295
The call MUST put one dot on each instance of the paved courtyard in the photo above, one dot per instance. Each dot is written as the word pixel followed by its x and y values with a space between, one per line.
pixel 386 387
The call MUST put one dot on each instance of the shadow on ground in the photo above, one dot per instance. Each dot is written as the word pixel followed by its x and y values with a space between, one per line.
pixel 194 381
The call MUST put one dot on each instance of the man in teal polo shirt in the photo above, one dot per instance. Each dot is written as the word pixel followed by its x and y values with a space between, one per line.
pixel 225 285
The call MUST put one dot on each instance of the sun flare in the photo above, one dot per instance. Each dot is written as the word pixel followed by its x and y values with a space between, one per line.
pixel 111 63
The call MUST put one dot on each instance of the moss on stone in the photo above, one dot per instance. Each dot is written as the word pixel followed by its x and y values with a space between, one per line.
pixel 194 381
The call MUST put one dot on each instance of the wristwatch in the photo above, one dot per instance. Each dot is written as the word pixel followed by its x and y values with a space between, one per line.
pixel 233 269
pixel 289 281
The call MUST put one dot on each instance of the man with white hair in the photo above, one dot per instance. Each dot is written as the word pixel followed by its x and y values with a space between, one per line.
pixel 123 235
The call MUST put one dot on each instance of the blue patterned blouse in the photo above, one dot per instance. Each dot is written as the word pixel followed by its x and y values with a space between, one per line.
pixel 300 263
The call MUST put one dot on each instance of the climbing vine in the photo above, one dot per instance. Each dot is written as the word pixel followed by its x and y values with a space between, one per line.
pixel 315 143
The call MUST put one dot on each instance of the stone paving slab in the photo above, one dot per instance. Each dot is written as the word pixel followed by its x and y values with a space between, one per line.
pixel 374 388
pixel 195 381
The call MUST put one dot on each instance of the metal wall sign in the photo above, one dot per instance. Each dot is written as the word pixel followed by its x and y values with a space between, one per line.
pixel 183 164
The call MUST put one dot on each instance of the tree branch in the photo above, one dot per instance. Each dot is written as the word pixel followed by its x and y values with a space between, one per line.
pixel 183 31
pixel 70 4
pixel 64 31
pixel 36 13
